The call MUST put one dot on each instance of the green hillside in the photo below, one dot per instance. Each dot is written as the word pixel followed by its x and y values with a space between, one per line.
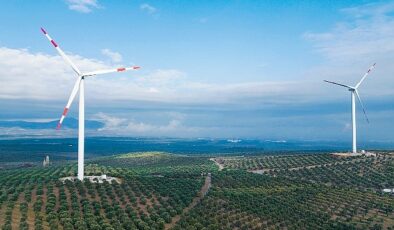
pixel 168 191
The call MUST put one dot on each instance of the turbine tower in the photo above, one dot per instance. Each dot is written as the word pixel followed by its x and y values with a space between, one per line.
pixel 354 93
pixel 79 86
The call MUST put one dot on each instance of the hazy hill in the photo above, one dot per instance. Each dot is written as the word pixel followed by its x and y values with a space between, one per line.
pixel 70 122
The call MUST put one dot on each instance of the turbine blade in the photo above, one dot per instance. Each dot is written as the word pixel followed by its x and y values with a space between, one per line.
pixel 111 71
pixel 70 100
pixel 365 75
pixel 361 103
pixel 349 87
pixel 60 51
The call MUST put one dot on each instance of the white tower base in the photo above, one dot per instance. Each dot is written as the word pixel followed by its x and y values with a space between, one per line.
pixel 354 125
pixel 81 130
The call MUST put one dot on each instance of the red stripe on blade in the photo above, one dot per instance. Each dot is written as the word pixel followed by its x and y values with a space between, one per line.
pixel 53 43
pixel 136 67
pixel 65 111
pixel 58 126
pixel 42 29
pixel 121 69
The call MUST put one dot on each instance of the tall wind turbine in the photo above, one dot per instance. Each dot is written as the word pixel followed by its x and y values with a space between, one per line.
pixel 79 86
pixel 354 93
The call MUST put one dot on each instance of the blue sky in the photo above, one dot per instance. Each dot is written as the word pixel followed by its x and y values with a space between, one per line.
pixel 232 69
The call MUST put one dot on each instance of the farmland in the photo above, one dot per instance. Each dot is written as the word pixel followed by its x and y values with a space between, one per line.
pixel 169 191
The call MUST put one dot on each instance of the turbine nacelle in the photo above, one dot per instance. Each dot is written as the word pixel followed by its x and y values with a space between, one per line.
pixel 354 89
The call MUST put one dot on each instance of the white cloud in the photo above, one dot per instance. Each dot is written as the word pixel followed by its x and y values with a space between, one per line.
pixel 148 8
pixel 45 77
pixel 367 34
pixel 369 9
pixel 163 77
pixel 83 6
pixel 38 76
pixel 113 56
pixel 121 126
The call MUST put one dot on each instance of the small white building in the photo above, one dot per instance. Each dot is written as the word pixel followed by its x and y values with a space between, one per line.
pixel 388 190
pixel 368 154
pixel 45 163
pixel 94 179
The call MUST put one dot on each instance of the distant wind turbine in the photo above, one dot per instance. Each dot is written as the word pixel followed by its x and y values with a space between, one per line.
pixel 79 85
pixel 354 93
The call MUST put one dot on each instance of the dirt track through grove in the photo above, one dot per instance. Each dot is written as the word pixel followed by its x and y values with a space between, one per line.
pixel 200 195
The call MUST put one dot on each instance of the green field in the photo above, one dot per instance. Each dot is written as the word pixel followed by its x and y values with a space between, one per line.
pixel 168 191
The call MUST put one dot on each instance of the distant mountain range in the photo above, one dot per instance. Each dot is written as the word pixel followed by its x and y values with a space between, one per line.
pixel 70 123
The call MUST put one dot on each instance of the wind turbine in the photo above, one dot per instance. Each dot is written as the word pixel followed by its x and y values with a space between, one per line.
pixel 354 93
pixel 79 86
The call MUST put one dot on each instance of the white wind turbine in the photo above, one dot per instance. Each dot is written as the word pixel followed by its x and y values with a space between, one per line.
pixel 354 94
pixel 79 85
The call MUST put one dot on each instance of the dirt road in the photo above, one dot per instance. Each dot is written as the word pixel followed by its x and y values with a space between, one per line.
pixel 200 195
